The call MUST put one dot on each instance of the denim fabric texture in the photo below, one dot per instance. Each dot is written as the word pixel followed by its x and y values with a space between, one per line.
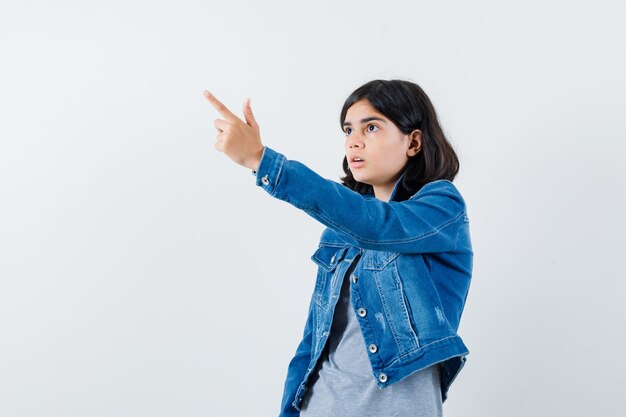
pixel 410 283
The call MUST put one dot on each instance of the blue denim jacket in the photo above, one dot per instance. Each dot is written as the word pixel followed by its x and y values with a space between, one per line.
pixel 409 285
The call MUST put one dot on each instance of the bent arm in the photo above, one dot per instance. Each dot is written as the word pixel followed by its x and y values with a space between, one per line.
pixel 429 221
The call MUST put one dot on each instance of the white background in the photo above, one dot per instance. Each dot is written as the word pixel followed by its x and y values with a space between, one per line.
pixel 143 273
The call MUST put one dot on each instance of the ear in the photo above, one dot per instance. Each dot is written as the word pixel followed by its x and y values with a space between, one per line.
pixel 415 143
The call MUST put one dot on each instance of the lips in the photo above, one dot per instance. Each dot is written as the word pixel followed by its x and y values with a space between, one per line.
pixel 359 161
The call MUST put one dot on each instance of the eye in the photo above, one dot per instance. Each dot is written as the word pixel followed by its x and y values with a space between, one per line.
pixel 346 131
pixel 368 126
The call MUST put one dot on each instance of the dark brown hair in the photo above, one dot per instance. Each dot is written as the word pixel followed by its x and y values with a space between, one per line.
pixel 409 108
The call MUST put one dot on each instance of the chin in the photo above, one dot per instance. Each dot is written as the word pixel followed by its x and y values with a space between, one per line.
pixel 356 177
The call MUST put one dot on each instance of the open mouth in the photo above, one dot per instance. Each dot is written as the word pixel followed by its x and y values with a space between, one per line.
pixel 356 161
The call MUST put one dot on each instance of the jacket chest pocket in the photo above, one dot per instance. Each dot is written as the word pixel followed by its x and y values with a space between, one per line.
pixel 327 258
pixel 377 261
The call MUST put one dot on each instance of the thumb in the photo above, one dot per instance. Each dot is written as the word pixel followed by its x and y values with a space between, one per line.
pixel 247 112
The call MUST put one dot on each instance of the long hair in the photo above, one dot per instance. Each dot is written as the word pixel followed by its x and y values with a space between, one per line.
pixel 409 108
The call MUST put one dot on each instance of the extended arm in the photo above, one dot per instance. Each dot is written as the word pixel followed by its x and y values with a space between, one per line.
pixel 427 222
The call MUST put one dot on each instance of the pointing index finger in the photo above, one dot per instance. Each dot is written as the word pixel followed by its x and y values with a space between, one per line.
pixel 221 108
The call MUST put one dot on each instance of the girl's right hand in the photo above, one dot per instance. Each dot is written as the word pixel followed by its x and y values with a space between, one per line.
pixel 239 140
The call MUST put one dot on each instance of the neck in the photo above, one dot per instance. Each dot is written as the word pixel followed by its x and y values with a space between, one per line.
pixel 383 193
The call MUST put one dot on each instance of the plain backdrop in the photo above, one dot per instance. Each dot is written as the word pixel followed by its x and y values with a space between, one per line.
pixel 143 273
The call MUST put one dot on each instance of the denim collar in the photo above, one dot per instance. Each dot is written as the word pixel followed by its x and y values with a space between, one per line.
pixel 398 194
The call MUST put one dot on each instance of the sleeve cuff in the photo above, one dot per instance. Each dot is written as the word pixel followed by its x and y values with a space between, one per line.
pixel 269 170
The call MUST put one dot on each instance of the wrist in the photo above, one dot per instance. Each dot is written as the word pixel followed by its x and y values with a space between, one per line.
pixel 256 161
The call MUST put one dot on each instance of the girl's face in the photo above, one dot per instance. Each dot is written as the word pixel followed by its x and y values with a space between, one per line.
pixel 383 148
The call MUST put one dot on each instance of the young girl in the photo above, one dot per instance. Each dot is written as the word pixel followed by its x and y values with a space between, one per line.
pixel 394 262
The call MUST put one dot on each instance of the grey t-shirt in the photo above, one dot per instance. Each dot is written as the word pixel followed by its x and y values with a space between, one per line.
pixel 343 384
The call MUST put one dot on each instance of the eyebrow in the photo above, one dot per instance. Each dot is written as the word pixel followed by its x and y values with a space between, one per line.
pixel 367 119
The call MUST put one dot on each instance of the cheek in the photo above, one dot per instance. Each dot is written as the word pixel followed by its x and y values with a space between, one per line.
pixel 397 157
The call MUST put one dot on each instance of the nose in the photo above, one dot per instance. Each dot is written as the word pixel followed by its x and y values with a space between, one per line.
pixel 353 141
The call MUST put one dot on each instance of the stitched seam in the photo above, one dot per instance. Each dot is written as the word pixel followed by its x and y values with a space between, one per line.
pixel 351 235
pixel 407 317
pixel 371 266
pixel 388 317
pixel 278 176
pixel 426 186
pixel 400 357
pixel 331 245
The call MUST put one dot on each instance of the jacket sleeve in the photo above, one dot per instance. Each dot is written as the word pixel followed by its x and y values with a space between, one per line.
pixel 298 366
pixel 429 221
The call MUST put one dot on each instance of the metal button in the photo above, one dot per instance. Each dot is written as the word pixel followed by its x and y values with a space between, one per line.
pixel 332 260
pixel 382 377
pixel 362 312
pixel 354 278
pixel 373 348
pixel 264 180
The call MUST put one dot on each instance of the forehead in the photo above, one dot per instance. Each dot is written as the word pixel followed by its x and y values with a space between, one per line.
pixel 361 109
